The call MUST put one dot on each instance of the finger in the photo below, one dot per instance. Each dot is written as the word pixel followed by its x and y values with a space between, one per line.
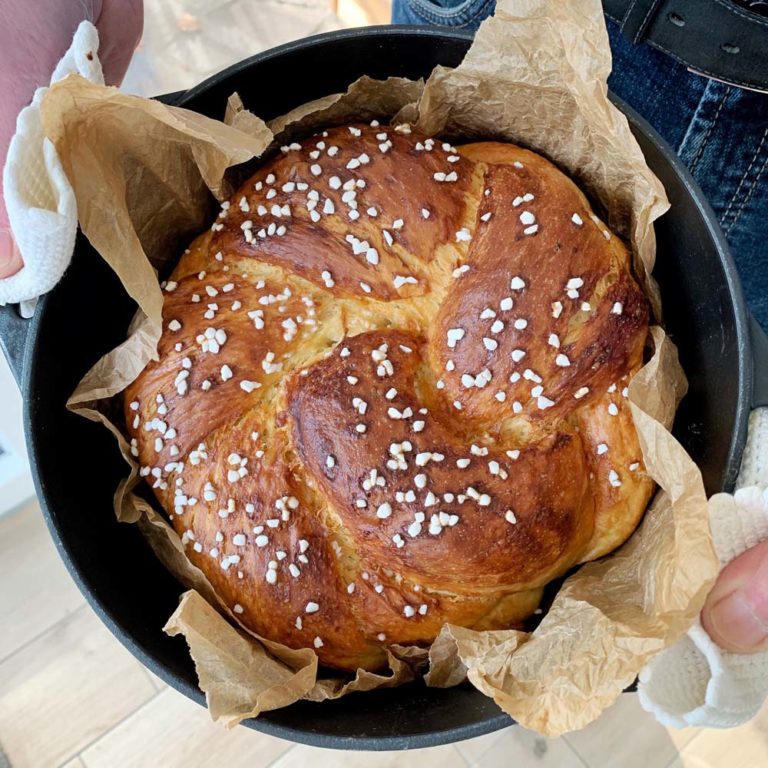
pixel 736 611
pixel 10 259
pixel 33 37
pixel 120 25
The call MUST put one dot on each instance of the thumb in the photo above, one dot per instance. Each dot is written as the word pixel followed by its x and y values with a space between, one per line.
pixel 735 614
pixel 120 24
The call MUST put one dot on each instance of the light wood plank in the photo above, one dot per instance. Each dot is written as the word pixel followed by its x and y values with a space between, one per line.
pixel 75 762
pixel 214 34
pixel 36 591
pixel 628 736
pixel 742 747
pixel 434 757
pixel 65 689
pixel 515 747
pixel 173 732
pixel 156 681
pixel 472 749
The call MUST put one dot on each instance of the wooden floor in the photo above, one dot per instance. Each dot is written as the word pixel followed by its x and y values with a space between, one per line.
pixel 71 695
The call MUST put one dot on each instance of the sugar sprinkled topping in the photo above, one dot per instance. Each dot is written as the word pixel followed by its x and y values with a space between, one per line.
pixel 454 335
pixel 463 235
pixel 384 510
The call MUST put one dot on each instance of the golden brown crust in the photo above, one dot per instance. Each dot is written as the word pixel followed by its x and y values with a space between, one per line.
pixel 620 486
pixel 349 431
pixel 360 192
pixel 548 312
pixel 410 490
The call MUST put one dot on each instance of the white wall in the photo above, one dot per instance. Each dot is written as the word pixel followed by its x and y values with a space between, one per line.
pixel 15 479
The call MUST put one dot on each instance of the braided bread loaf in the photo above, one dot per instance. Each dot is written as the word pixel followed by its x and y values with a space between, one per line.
pixel 391 392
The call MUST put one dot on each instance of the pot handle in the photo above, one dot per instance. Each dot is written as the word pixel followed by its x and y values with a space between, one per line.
pixel 760 364
pixel 171 99
pixel 13 339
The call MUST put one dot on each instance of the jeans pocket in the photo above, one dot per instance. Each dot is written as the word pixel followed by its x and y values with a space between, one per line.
pixel 466 14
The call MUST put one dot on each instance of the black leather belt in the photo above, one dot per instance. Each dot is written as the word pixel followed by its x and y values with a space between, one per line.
pixel 721 39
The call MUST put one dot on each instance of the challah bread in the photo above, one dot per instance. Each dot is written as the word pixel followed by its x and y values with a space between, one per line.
pixel 391 392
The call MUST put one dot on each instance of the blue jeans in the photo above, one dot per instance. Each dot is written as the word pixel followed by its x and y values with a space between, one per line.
pixel 719 131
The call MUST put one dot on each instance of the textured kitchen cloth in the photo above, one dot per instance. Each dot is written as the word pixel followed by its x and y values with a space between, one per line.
pixel 39 199
pixel 695 682
pixel 692 683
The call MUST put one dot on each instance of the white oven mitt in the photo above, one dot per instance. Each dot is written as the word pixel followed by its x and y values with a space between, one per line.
pixel 39 198
pixel 695 682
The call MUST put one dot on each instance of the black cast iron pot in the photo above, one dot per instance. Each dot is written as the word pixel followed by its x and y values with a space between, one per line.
pixel 76 464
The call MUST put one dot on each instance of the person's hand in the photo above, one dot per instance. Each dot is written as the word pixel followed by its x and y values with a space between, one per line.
pixel 34 35
pixel 736 611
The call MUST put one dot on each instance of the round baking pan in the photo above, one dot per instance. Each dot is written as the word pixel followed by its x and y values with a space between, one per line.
pixel 77 466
